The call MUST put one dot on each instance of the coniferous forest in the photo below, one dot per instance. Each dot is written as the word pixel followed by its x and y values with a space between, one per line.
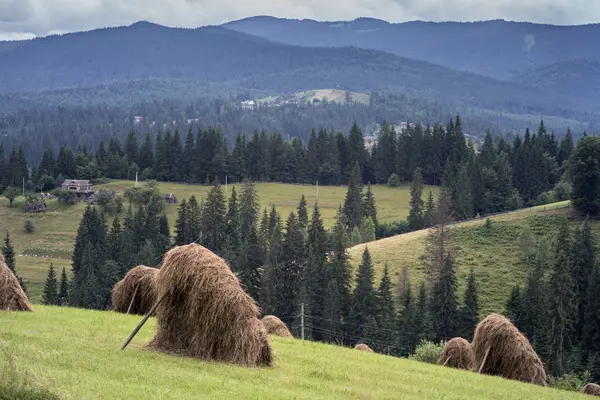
pixel 290 263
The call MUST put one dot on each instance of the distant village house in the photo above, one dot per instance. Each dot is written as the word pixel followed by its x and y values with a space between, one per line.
pixel 82 188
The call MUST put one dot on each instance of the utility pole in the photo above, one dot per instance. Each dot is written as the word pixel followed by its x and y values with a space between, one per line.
pixel 317 191
pixel 302 319
pixel 23 186
pixel 225 184
pixel 136 178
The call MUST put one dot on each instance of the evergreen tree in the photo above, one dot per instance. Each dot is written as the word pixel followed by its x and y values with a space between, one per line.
pixel 213 220
pixel 385 313
pixel 339 265
pixel 514 307
pixel 443 302
pixel 429 214
pixel 303 213
pixel 270 294
pixel 584 259
pixel 469 311
pixel 423 325
pixel 249 209
pixel 317 277
pixel 563 306
pixel 408 338
pixel 440 240
pixel 146 160
pixel 232 230
pixel 367 230
pixel 415 215
pixel 369 207
pixel 363 305
pixel 193 226
pixel 333 313
pixel 462 201
pixel 532 308
pixel 353 203
pixel 356 149
pixel 585 173
pixel 249 264
pixel 9 253
pixel 50 294
pixel 181 227
pixel 114 240
pixel 63 292
pixel 591 330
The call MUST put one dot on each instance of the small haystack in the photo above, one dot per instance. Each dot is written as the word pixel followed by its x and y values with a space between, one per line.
pixel 137 289
pixel 275 326
pixel 205 313
pixel 363 347
pixel 457 353
pixel 591 389
pixel 500 349
pixel 12 296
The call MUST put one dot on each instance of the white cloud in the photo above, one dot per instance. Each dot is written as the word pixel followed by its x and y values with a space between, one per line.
pixel 39 17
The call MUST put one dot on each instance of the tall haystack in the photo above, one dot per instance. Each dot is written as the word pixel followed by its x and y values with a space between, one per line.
pixel 457 353
pixel 137 288
pixel 275 326
pixel 12 296
pixel 500 349
pixel 591 389
pixel 363 347
pixel 205 313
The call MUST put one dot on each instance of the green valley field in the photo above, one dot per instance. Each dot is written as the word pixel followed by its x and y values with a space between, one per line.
pixel 56 229
pixel 494 254
pixel 75 354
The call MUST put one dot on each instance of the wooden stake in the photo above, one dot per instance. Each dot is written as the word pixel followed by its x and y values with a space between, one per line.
pixel 136 330
pixel 446 362
pixel 487 352
pixel 132 299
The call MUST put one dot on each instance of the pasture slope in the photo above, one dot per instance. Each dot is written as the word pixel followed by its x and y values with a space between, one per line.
pixel 54 238
pixel 75 354
pixel 494 254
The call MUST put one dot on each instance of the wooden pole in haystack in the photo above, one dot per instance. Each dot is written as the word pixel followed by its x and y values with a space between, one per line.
pixel 136 330
pixel 132 299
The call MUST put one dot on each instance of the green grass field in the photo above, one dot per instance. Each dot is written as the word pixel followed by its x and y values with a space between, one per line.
pixel 494 255
pixel 75 354
pixel 54 238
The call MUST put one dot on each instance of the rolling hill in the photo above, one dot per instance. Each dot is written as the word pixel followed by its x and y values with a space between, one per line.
pixel 74 354
pixel 496 49
pixel 154 57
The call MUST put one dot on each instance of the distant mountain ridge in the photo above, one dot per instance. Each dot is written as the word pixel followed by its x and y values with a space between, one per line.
pixel 495 48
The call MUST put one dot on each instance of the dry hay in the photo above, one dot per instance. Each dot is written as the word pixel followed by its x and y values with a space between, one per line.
pixel 12 296
pixel 204 311
pixel 457 353
pixel 363 347
pixel 139 281
pixel 510 354
pixel 275 326
pixel 591 389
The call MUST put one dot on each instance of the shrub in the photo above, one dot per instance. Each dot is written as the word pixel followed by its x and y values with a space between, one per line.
pixel 389 229
pixel 572 382
pixel 29 226
pixel 545 198
pixel 562 191
pixel 428 352
pixel 394 180
pixel 514 201
pixel 488 224
pixel 65 196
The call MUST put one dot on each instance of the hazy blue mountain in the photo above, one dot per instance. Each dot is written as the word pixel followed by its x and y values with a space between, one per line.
pixel 493 48
pixel 165 62
pixel 580 77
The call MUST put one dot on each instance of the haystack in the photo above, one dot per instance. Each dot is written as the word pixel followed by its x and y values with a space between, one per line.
pixel 275 326
pixel 500 349
pixel 591 389
pixel 363 347
pixel 138 289
pixel 205 313
pixel 12 296
pixel 457 353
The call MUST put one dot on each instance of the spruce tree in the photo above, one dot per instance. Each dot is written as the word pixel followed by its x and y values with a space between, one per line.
pixel 563 306
pixel 50 294
pixel 369 206
pixel 333 330
pixel 429 214
pixel 248 209
pixel 532 303
pixel 443 302
pixel 303 213
pixel 363 304
pixel 469 311
pixel 407 338
pixel 249 263
pixel 316 277
pixel 193 226
pixel 514 307
pixel 9 253
pixel 367 230
pixel 353 203
pixel 591 330
pixel 415 215
pixel 462 200
pixel 213 220
pixel 114 240
pixel 63 292
pixel 385 313
pixel 423 324
pixel 585 173
pixel 270 294
pixel 584 259
pixel 232 230
pixel 340 269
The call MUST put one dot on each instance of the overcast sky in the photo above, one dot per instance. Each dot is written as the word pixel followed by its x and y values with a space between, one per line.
pixel 29 18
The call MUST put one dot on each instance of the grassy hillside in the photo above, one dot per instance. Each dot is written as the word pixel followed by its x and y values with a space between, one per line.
pixel 494 254
pixel 75 354
pixel 56 229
